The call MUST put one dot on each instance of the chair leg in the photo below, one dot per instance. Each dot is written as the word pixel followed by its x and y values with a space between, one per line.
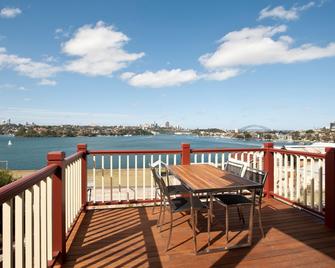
pixel 211 208
pixel 153 208
pixel 170 231
pixel 160 212
pixel 260 220
pixel 227 224
pixel 209 219
pixel 163 219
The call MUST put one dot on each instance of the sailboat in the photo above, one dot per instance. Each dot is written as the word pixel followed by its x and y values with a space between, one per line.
pixel 10 143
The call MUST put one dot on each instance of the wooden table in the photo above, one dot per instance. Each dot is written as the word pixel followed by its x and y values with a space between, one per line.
pixel 204 178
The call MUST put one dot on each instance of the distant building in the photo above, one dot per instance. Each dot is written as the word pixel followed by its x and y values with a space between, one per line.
pixel 167 124
pixel 332 126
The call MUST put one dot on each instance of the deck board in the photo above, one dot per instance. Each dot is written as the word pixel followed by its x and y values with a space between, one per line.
pixel 128 237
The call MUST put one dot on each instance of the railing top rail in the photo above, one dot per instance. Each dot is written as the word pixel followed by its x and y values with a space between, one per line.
pixel 106 152
pixel 10 190
pixel 299 153
pixel 68 160
pixel 224 150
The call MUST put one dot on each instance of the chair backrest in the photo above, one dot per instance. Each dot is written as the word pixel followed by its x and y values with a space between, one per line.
pixel 234 168
pixel 256 175
pixel 159 181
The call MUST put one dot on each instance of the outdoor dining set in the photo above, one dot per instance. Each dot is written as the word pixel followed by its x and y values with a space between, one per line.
pixel 201 186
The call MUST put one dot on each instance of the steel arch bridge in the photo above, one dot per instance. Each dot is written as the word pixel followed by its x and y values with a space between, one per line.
pixel 259 128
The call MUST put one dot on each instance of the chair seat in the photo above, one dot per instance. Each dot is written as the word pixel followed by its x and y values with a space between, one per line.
pixel 180 204
pixel 232 199
pixel 177 189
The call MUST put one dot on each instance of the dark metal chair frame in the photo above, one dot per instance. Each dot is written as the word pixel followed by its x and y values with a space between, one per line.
pixel 233 168
pixel 240 200
pixel 177 204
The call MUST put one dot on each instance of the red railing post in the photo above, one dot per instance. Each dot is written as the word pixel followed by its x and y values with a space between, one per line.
pixel 269 168
pixel 330 188
pixel 83 148
pixel 185 153
pixel 58 205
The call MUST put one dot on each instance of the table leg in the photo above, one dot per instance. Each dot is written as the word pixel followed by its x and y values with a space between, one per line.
pixel 193 224
pixel 251 218
pixel 209 219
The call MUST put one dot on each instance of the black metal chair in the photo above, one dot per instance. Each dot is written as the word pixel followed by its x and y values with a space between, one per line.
pixel 177 204
pixel 240 200
pixel 172 189
pixel 233 168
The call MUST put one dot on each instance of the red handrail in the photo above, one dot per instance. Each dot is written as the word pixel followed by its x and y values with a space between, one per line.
pixel 224 150
pixel 73 157
pixel 173 151
pixel 289 152
pixel 11 190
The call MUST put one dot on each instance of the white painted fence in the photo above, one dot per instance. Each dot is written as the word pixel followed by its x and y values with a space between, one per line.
pixel 124 177
pixel 27 226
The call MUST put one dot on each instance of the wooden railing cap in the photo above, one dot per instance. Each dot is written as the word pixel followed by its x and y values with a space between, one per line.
pixel 56 156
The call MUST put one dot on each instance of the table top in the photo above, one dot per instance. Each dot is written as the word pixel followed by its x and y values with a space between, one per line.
pixel 207 178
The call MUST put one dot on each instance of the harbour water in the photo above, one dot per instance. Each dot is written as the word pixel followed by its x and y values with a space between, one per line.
pixel 30 153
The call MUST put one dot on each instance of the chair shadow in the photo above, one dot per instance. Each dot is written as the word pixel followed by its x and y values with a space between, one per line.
pixel 280 219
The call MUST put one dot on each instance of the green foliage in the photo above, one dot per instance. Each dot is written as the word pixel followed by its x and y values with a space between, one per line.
pixel 5 177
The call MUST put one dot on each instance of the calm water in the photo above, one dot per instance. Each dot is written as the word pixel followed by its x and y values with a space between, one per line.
pixel 30 153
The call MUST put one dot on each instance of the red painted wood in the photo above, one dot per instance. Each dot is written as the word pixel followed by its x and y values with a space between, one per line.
pixel 58 204
pixel 223 150
pixel 330 188
pixel 10 190
pixel 82 148
pixel 107 152
pixel 70 159
pixel 185 154
pixel 269 168
pixel 282 151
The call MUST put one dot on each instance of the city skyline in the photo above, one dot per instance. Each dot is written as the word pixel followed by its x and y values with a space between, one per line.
pixel 223 65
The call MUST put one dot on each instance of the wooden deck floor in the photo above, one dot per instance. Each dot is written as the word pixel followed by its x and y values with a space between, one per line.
pixel 129 238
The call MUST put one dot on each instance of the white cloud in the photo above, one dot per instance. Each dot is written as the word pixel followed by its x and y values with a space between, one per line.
pixel 26 66
pixel 9 12
pixel 280 12
pixel 222 75
pixel 161 78
pixel 47 82
pixel 61 33
pixel 100 50
pixel 256 46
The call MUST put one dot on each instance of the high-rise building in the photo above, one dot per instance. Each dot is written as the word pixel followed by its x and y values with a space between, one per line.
pixel 167 124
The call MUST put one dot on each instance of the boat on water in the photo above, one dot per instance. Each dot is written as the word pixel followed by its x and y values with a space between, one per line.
pixel 10 143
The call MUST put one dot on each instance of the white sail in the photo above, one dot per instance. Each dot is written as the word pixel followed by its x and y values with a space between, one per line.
pixel 9 143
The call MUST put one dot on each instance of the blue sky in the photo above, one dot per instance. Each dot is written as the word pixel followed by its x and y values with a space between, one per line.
pixel 219 64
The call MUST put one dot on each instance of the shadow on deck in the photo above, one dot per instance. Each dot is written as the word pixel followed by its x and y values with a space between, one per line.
pixel 129 238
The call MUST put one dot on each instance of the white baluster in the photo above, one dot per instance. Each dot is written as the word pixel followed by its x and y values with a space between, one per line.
pixel 37 226
pixel 136 196
pixel 120 177
pixel 144 188
pixel 103 179
pixel 94 180
pixel 7 234
pixel 28 228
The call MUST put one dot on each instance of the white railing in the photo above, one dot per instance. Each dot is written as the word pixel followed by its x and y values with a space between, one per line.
pixel 252 159
pixel 124 177
pixel 300 179
pixel 73 195
pixel 27 221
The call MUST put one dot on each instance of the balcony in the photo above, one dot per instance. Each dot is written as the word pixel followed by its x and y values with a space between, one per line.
pixel 94 208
